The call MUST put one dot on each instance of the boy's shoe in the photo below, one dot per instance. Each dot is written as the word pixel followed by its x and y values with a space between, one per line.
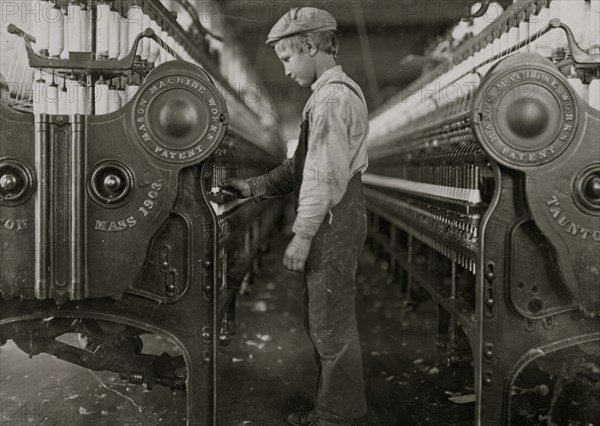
pixel 301 418
pixel 309 418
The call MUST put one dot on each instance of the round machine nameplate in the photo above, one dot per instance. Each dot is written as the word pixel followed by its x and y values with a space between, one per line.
pixel 179 119
pixel 525 116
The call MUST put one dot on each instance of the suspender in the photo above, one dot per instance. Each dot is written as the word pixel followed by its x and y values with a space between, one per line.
pixel 299 159
pixel 348 85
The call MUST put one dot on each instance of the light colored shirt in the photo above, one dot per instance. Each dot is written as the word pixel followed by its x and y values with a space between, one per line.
pixel 337 149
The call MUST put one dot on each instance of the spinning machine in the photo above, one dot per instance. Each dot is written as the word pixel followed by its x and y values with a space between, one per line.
pixel 118 121
pixel 484 190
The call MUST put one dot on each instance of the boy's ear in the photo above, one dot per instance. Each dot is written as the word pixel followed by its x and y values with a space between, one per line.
pixel 310 46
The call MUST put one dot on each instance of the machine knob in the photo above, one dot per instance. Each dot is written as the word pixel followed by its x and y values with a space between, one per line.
pixel 587 188
pixel 112 183
pixel 15 182
pixel 592 188
pixel 9 182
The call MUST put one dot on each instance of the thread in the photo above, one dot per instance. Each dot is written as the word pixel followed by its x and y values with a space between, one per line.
pixel 56 43
pixel 114 37
pixel 542 44
pixel 74 26
pixel 63 100
pixel 71 83
pixel 52 98
pixel 103 18
pixel 41 28
pixel 124 40
pixel 154 47
pixel 146 41
pixel 114 99
pixel 135 19
pixel 523 34
pixel 39 97
pixel 102 98
pixel 81 98
pixel 65 26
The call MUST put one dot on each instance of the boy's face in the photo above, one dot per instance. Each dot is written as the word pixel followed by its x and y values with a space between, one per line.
pixel 298 65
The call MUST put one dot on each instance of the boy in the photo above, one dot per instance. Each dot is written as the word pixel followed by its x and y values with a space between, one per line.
pixel 330 227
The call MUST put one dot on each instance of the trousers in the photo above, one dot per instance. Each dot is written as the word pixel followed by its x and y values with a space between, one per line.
pixel 329 307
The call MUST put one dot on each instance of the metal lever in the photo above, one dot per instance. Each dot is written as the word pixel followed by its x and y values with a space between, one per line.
pixel 578 55
pixel 89 64
pixel 13 29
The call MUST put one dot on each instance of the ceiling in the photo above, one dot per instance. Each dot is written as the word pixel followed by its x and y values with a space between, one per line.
pixel 391 30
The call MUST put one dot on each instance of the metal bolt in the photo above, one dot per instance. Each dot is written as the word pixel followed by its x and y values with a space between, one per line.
pixel 207 264
pixel 490 276
pixel 164 264
pixel 488 354
pixel 206 334
pixel 489 302
pixel 488 381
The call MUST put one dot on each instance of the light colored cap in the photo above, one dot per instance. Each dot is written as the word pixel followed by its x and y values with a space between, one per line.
pixel 301 20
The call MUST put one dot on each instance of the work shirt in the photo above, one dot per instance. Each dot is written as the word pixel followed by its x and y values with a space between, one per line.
pixel 337 149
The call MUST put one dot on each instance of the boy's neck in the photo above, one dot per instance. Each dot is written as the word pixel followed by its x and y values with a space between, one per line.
pixel 323 63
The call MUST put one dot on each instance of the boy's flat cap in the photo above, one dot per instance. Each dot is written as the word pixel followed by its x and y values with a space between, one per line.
pixel 300 20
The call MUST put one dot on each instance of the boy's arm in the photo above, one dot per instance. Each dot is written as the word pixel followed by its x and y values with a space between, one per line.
pixel 327 166
pixel 278 181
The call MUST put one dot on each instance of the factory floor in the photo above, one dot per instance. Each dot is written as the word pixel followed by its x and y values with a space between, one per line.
pixel 267 370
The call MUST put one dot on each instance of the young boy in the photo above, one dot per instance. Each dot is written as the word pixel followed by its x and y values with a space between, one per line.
pixel 330 227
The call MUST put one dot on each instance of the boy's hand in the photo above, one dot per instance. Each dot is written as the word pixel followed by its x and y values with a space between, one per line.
pixel 237 187
pixel 296 253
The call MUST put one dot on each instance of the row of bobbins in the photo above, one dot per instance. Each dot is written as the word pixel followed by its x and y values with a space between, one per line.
pixel 59 31
pixel 69 95
pixel 582 16
pixel 115 35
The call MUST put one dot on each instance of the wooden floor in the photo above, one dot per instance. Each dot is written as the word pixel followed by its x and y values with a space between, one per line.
pixel 267 370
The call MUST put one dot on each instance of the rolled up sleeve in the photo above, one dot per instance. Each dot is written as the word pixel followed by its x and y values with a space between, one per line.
pixel 326 169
